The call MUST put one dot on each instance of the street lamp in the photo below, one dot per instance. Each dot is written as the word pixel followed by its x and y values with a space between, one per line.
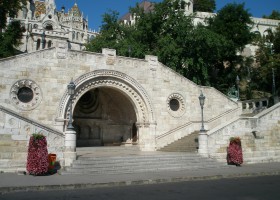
pixel 237 86
pixel 28 28
pixel 201 101
pixel 71 89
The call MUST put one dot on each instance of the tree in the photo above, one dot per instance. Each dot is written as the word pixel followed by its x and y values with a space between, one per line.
pixel 12 33
pixel 198 53
pixel 274 15
pixel 204 5
pixel 9 8
pixel 268 59
pixel 10 39
pixel 233 22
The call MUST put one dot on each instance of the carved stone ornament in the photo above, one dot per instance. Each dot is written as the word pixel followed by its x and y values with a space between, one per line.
pixel 176 105
pixel 25 94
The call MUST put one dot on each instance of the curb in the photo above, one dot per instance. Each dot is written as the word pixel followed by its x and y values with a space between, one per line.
pixel 5 190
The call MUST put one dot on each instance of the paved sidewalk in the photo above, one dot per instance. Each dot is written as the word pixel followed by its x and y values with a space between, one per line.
pixel 14 183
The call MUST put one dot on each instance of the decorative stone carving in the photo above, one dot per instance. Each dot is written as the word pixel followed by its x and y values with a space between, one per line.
pixel 25 94
pixel 176 105
pixel 110 55
pixel 114 79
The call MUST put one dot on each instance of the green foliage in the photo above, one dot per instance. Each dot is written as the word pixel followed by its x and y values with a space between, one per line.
pixel 38 136
pixel 204 5
pixel 274 15
pixel 276 42
pixel 233 22
pixel 10 39
pixel 268 58
pixel 9 8
pixel 197 52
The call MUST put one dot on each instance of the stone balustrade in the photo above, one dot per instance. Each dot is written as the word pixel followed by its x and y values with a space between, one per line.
pixel 254 105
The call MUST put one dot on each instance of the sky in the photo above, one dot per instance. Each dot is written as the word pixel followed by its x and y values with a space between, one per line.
pixel 94 9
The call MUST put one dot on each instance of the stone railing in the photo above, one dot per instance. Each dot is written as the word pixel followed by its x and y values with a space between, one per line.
pixel 36 126
pixel 248 129
pixel 254 105
pixel 189 127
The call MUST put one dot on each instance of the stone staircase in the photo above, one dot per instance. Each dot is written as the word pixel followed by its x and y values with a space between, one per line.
pixel 124 160
pixel 13 154
pixel 188 143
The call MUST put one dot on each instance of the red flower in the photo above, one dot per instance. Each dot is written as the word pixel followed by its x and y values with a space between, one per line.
pixel 37 158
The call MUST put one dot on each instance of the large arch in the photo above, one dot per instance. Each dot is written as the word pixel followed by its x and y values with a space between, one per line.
pixel 117 81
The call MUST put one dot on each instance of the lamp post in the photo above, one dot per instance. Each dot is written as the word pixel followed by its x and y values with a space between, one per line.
pixel 28 28
pixel 202 137
pixel 70 141
pixel 201 101
pixel 71 89
pixel 237 86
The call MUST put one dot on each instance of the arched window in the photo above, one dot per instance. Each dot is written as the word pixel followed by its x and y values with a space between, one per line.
pixel 38 44
pixel 73 35
pixel 49 44
pixel 77 36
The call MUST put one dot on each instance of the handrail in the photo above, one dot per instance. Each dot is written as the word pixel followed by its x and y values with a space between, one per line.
pixel 31 121
pixel 173 130
pixel 258 116
pixel 194 122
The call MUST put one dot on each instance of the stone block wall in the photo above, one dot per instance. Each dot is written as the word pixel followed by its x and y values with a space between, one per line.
pixel 260 137
pixel 49 72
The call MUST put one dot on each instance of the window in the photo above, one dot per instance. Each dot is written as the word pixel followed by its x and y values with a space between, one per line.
pixel 38 44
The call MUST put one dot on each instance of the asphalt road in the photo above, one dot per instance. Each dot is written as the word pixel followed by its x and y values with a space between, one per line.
pixel 256 188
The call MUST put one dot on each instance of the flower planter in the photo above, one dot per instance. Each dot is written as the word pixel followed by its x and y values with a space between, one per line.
pixel 37 158
pixel 234 152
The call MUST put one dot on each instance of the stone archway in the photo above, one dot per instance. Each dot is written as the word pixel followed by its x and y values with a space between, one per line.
pixel 104 117
pixel 123 86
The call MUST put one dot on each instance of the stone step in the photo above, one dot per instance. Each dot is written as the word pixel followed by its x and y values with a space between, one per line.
pixel 141 166
pixel 82 150
pixel 138 162
pixel 94 163
pixel 5 137
pixel 188 143
pixel 13 149
pixel 138 170
pixel 12 166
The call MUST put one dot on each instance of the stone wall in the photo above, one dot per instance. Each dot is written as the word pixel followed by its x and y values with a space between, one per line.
pixel 260 136
pixel 147 84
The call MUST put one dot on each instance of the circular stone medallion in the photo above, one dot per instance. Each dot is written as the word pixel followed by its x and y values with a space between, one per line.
pixel 25 94
pixel 176 105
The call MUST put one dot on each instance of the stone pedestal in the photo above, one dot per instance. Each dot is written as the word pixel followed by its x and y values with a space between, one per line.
pixel 70 153
pixel 203 144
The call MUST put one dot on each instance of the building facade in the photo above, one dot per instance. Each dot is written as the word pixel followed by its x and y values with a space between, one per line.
pixel 117 101
pixel 46 26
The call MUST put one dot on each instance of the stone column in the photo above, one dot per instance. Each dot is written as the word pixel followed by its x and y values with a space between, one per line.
pixel 70 153
pixel 146 136
pixel 203 143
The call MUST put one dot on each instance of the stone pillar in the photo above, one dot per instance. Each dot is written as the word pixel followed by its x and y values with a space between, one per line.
pixel 203 144
pixel 70 153
pixel 146 137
